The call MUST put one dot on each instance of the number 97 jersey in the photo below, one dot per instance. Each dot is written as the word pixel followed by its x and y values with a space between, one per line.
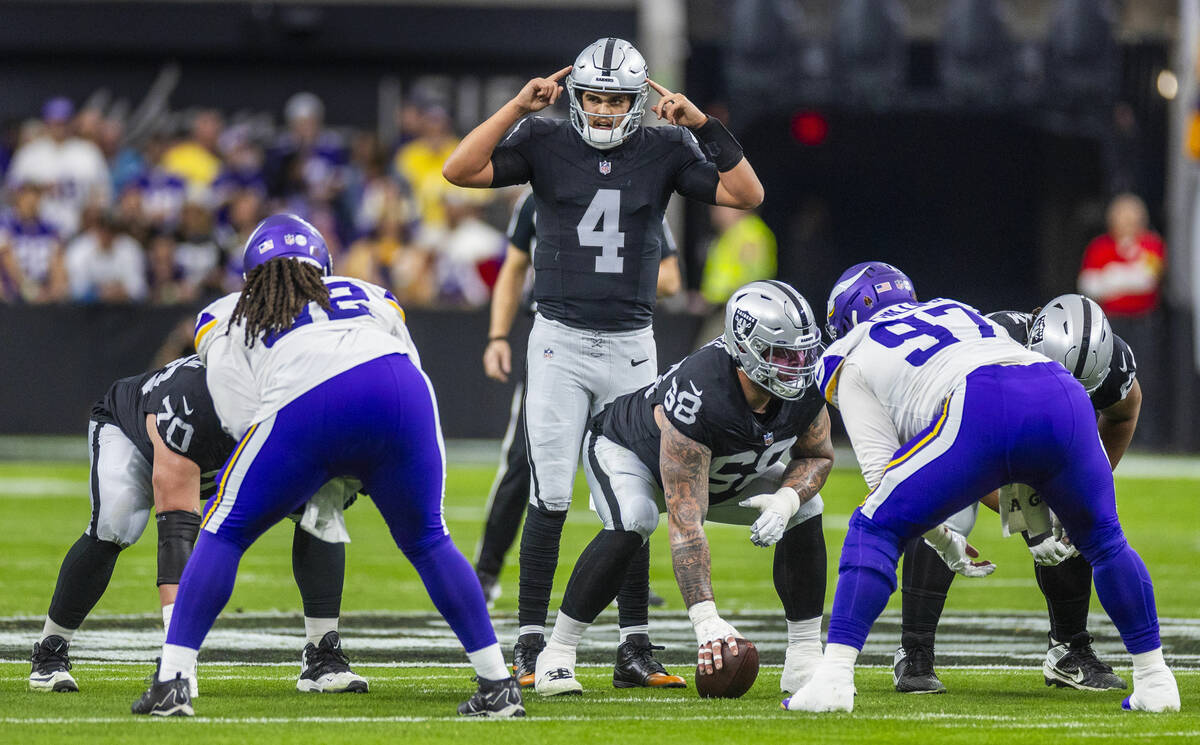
pixel 910 356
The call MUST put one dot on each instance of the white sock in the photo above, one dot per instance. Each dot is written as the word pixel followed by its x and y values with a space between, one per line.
pixel 523 630
pixel 177 659
pixel 50 628
pixel 567 631
pixel 841 657
pixel 627 630
pixel 167 611
pixel 804 632
pixel 1144 662
pixel 489 663
pixel 315 629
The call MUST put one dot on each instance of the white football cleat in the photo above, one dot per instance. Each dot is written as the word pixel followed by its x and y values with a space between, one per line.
pixel 554 674
pixel 830 689
pixel 325 669
pixel 1155 690
pixel 800 661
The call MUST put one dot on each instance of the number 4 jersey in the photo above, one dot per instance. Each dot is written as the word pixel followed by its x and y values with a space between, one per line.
pixel 891 374
pixel 183 415
pixel 703 399
pixel 599 216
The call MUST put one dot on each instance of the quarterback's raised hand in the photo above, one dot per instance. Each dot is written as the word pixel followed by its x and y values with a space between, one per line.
pixel 675 108
pixel 541 92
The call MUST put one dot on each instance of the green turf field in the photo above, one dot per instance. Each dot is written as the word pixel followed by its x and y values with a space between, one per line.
pixel 990 645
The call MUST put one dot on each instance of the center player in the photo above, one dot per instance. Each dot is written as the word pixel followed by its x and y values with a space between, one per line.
pixel 601 183
pixel 942 407
pixel 707 440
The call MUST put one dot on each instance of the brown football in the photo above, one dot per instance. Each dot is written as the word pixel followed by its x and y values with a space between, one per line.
pixel 736 675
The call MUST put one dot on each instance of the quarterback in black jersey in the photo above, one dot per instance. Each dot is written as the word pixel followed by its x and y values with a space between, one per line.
pixel 601 183
pixel 734 433
pixel 157 443
pixel 1074 331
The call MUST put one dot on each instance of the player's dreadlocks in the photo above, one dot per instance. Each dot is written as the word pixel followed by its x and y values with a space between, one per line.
pixel 275 293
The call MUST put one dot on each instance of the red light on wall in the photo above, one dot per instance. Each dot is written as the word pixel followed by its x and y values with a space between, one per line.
pixel 810 128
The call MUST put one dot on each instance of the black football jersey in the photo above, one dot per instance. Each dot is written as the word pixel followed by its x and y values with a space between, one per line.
pixel 599 215
pixel 703 399
pixel 183 411
pixel 1121 370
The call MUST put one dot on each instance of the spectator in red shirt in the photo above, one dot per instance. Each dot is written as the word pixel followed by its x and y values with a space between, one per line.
pixel 1122 269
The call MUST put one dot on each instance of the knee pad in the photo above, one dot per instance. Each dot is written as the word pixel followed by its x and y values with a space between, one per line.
pixel 869 546
pixel 177 531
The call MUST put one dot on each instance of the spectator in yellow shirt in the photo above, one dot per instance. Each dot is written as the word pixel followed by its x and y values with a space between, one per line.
pixel 743 251
pixel 195 158
pixel 419 162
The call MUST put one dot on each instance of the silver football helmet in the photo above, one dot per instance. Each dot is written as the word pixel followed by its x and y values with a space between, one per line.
pixel 1072 330
pixel 608 65
pixel 772 333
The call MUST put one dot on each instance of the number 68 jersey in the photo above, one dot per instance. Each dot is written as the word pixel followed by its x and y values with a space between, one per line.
pixel 703 399
pixel 890 375
pixel 249 383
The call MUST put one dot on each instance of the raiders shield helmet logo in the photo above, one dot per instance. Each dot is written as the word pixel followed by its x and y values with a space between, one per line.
pixel 743 324
pixel 1038 331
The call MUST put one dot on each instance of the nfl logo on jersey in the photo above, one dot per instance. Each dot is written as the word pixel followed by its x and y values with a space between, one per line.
pixel 769 438
pixel 605 167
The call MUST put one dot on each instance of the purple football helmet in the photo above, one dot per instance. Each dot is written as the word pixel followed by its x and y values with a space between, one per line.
pixel 861 291
pixel 286 236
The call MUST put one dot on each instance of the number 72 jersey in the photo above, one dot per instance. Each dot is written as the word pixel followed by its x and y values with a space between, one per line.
pixel 910 356
pixel 599 216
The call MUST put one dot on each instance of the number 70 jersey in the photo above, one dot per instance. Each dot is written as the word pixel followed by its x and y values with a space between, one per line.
pixel 910 356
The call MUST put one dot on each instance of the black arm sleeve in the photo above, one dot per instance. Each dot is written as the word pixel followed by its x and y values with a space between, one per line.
pixel 510 164
pixel 696 178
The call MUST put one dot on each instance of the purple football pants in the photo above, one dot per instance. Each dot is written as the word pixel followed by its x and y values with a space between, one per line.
pixel 378 423
pixel 1030 424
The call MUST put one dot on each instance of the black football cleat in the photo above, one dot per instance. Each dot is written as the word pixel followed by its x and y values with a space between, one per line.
pixel 50 666
pixel 912 671
pixel 637 668
pixel 1075 665
pixel 525 654
pixel 325 669
pixel 169 698
pixel 494 698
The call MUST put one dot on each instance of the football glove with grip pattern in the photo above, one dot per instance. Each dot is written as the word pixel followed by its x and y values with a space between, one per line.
pixel 775 511
pixel 957 553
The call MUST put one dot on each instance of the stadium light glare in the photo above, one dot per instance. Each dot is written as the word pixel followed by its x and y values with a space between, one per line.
pixel 1167 84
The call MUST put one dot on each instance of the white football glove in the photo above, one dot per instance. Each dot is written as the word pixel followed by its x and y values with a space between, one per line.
pixel 1050 551
pixel 952 546
pixel 711 630
pixel 775 510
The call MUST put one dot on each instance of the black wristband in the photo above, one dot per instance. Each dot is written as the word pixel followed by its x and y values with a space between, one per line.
pixel 497 338
pixel 719 145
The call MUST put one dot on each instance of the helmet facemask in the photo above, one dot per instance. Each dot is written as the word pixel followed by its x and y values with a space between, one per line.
pixel 786 370
pixel 623 124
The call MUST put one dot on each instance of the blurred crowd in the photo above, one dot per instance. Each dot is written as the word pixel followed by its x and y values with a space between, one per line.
pixel 91 214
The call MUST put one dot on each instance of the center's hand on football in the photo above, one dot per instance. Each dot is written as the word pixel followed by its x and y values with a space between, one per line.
pixel 497 360
pixel 676 108
pixel 959 555
pixel 541 92
pixel 775 510
pixel 711 630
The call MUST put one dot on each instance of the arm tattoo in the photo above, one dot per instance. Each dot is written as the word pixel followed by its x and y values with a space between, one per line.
pixel 812 459
pixel 684 466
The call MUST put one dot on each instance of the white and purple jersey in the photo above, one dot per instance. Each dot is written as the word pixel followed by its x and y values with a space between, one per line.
pixel 33 242
pixel 249 383
pixel 890 375
pixel 163 195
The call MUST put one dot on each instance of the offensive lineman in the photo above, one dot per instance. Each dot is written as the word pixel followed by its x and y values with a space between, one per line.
pixel 1072 330
pixel 156 443
pixel 976 410
pixel 319 378
pixel 601 183
pixel 707 440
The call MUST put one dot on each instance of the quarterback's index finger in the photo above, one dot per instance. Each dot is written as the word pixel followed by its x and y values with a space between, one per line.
pixel 558 75
pixel 661 90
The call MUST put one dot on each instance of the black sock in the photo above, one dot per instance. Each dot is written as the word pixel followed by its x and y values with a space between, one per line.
pixel 799 570
pixel 926 580
pixel 633 599
pixel 539 559
pixel 602 568
pixel 82 579
pixel 508 505
pixel 1068 591
pixel 320 570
